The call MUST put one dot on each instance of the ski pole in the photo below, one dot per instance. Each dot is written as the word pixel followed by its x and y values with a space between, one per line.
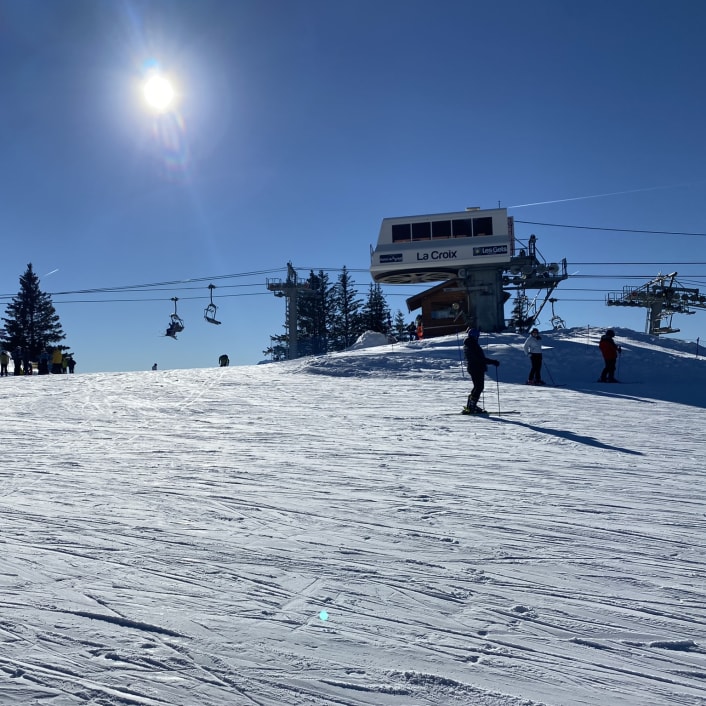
pixel 497 387
pixel 460 355
pixel 549 372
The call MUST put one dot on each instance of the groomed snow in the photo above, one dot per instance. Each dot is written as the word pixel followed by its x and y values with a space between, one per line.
pixel 331 531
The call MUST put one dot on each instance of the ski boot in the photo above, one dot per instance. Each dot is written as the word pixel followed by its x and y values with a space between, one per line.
pixel 473 409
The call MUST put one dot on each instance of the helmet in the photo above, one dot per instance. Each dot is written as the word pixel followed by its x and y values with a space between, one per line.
pixel 610 332
pixel 473 332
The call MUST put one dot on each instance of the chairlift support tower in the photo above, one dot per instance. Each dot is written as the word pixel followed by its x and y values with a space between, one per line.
pixel 662 297
pixel 292 290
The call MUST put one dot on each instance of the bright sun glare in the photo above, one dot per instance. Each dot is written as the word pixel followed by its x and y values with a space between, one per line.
pixel 158 92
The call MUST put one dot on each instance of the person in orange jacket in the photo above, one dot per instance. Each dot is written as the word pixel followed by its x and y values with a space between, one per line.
pixel 610 352
pixel 420 329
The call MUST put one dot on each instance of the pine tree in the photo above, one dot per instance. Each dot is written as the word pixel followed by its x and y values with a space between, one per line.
pixel 346 319
pixel 314 315
pixel 375 315
pixel 30 318
pixel 400 327
pixel 279 346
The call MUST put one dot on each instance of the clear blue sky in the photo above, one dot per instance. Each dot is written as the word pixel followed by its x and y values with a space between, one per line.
pixel 300 125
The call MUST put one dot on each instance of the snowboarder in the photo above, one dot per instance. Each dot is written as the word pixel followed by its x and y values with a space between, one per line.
pixel 477 364
pixel 223 361
pixel 610 351
pixel 533 348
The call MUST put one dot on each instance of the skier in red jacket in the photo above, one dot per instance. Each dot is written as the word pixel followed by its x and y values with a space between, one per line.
pixel 610 352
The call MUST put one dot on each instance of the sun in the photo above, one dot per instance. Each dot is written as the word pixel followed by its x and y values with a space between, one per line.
pixel 159 93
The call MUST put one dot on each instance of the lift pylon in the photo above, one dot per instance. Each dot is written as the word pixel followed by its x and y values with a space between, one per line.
pixel 292 290
pixel 662 297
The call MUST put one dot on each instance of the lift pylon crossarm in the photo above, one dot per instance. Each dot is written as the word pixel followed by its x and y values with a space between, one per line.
pixel 527 272
pixel 662 297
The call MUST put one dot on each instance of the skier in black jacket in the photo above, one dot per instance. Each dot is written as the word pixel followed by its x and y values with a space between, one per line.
pixel 477 364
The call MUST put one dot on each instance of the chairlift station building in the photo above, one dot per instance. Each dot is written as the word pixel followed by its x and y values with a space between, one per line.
pixel 475 253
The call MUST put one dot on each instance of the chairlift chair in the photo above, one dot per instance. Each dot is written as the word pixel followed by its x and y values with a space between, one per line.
pixel 176 325
pixel 209 313
pixel 557 322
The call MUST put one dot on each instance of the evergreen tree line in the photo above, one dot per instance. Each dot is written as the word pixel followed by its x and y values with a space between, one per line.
pixel 332 316
pixel 30 320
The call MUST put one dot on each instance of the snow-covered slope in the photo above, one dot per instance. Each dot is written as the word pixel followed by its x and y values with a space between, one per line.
pixel 333 531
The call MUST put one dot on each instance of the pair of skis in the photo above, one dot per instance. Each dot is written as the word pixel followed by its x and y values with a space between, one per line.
pixel 486 413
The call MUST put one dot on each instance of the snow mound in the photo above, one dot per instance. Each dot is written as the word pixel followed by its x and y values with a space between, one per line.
pixel 370 339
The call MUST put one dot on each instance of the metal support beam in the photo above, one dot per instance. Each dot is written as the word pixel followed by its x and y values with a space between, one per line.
pixel 662 297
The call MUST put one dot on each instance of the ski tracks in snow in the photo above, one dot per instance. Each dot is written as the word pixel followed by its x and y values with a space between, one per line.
pixel 268 536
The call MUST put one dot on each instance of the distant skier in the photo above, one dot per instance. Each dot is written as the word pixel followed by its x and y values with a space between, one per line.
pixel 477 364
pixel 610 352
pixel 4 362
pixel 223 361
pixel 26 363
pixel 533 348
pixel 17 360
pixel 43 366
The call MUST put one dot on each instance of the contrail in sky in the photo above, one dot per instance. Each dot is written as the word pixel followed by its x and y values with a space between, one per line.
pixel 596 196
pixel 51 273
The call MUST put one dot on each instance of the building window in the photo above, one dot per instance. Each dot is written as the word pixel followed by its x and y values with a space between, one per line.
pixel 401 232
pixel 458 228
pixel 421 231
pixel 482 226
pixel 442 312
pixel 441 229
pixel 463 227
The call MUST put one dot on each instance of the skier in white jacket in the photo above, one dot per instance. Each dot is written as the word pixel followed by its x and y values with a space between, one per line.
pixel 533 348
